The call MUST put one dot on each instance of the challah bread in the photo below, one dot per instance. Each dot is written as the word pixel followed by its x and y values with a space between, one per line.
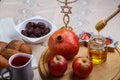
pixel 19 46
pixel 11 48
pixel 14 44
pixel 3 62
pixel 25 49
pixel 7 52
pixel 2 45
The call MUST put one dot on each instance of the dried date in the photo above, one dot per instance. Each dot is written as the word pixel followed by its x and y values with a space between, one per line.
pixel 41 25
pixel 32 35
pixel 35 30
pixel 24 33
pixel 30 31
pixel 29 25
pixel 47 30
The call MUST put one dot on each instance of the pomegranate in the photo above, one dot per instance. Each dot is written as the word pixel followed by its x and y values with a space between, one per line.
pixel 64 42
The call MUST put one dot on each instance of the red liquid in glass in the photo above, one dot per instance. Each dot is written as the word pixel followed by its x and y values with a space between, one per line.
pixel 19 61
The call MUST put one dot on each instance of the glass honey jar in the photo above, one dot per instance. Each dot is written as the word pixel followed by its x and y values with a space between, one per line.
pixel 97 49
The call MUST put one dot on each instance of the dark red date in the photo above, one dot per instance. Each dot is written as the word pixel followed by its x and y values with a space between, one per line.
pixel 35 30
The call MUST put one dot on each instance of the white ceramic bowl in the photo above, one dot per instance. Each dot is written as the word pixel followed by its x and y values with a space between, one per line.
pixel 36 19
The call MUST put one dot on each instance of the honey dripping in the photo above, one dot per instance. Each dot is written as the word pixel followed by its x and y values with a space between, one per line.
pixel 98 35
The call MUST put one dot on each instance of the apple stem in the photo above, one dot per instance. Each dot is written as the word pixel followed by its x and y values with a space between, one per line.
pixel 58 57
pixel 59 38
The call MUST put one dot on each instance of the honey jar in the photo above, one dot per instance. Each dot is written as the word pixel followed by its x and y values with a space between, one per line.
pixel 97 49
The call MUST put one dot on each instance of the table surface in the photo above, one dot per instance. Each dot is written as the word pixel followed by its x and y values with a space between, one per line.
pixel 85 15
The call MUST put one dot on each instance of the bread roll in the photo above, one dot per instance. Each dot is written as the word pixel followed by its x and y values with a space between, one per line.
pixel 3 62
pixel 7 53
pixel 19 46
pixel 15 44
pixel 2 45
pixel 25 49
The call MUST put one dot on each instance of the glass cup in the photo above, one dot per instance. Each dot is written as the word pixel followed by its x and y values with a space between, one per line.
pixel 97 49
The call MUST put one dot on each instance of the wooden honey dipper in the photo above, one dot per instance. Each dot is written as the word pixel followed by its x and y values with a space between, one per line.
pixel 101 24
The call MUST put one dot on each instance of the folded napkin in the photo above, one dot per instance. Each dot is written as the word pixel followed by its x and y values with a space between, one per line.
pixel 7 31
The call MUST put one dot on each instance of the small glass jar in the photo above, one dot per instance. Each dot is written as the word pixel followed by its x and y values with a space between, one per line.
pixel 97 49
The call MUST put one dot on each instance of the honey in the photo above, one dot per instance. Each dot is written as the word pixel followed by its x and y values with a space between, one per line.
pixel 97 49
pixel 97 56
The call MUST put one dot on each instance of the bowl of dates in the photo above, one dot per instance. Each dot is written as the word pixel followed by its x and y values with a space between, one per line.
pixel 36 29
